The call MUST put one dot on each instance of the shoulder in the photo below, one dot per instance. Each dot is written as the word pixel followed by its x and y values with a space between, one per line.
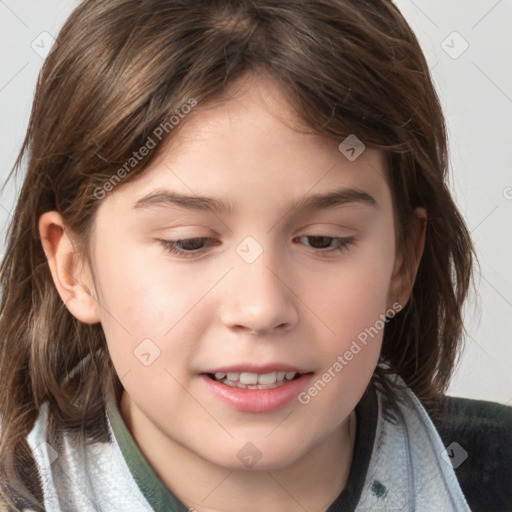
pixel 478 438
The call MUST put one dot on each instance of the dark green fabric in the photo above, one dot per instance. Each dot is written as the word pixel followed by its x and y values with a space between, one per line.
pixel 484 430
pixel 150 485
pixel 366 426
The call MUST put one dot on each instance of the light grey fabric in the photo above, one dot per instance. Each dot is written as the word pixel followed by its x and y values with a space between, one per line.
pixel 407 470
pixel 74 479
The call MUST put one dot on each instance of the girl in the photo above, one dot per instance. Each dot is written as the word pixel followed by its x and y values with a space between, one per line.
pixel 235 274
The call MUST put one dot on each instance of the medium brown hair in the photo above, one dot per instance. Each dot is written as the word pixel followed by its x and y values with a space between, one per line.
pixel 118 70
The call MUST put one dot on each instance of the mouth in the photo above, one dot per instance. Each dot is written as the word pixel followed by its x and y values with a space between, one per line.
pixel 250 380
pixel 256 389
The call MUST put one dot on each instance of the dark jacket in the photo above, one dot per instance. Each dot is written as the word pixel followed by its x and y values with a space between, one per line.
pixel 484 431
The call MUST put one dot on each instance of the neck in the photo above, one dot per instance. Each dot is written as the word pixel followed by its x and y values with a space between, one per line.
pixel 311 483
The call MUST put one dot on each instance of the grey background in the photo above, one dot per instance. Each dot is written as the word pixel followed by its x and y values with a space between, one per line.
pixel 475 87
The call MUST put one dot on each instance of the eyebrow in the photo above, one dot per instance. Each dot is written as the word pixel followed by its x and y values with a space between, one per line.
pixel 167 198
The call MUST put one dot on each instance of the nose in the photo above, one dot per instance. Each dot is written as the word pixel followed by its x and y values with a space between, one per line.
pixel 258 297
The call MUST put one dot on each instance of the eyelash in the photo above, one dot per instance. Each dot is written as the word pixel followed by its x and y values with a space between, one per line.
pixel 343 245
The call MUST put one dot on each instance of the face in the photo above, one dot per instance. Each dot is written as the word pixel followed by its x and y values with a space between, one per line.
pixel 311 278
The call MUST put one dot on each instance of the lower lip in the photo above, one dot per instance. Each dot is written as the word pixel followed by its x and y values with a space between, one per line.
pixel 258 400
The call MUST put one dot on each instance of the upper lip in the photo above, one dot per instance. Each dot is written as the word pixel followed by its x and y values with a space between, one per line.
pixel 253 368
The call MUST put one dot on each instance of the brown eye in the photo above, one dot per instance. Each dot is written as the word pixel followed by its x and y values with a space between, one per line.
pixel 184 246
pixel 323 243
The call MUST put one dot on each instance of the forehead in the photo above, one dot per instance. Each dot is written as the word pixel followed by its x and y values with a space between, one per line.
pixel 250 147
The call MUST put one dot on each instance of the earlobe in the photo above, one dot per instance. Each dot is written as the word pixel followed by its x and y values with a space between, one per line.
pixel 407 264
pixel 69 271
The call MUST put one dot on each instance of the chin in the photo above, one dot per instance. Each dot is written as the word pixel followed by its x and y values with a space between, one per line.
pixel 256 456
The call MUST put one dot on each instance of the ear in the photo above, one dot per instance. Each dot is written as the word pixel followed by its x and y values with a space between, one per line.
pixel 408 261
pixel 69 270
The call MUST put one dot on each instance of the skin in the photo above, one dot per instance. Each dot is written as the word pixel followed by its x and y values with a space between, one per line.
pixel 307 307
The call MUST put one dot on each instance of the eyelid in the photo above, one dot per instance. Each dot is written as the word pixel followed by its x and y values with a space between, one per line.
pixel 343 243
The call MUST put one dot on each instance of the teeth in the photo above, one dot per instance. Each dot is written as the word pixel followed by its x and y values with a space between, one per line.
pixel 253 379
pixel 248 378
pixel 267 378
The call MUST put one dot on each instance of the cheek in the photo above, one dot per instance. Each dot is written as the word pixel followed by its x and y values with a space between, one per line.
pixel 352 303
pixel 156 302
pixel 352 306
pixel 354 297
